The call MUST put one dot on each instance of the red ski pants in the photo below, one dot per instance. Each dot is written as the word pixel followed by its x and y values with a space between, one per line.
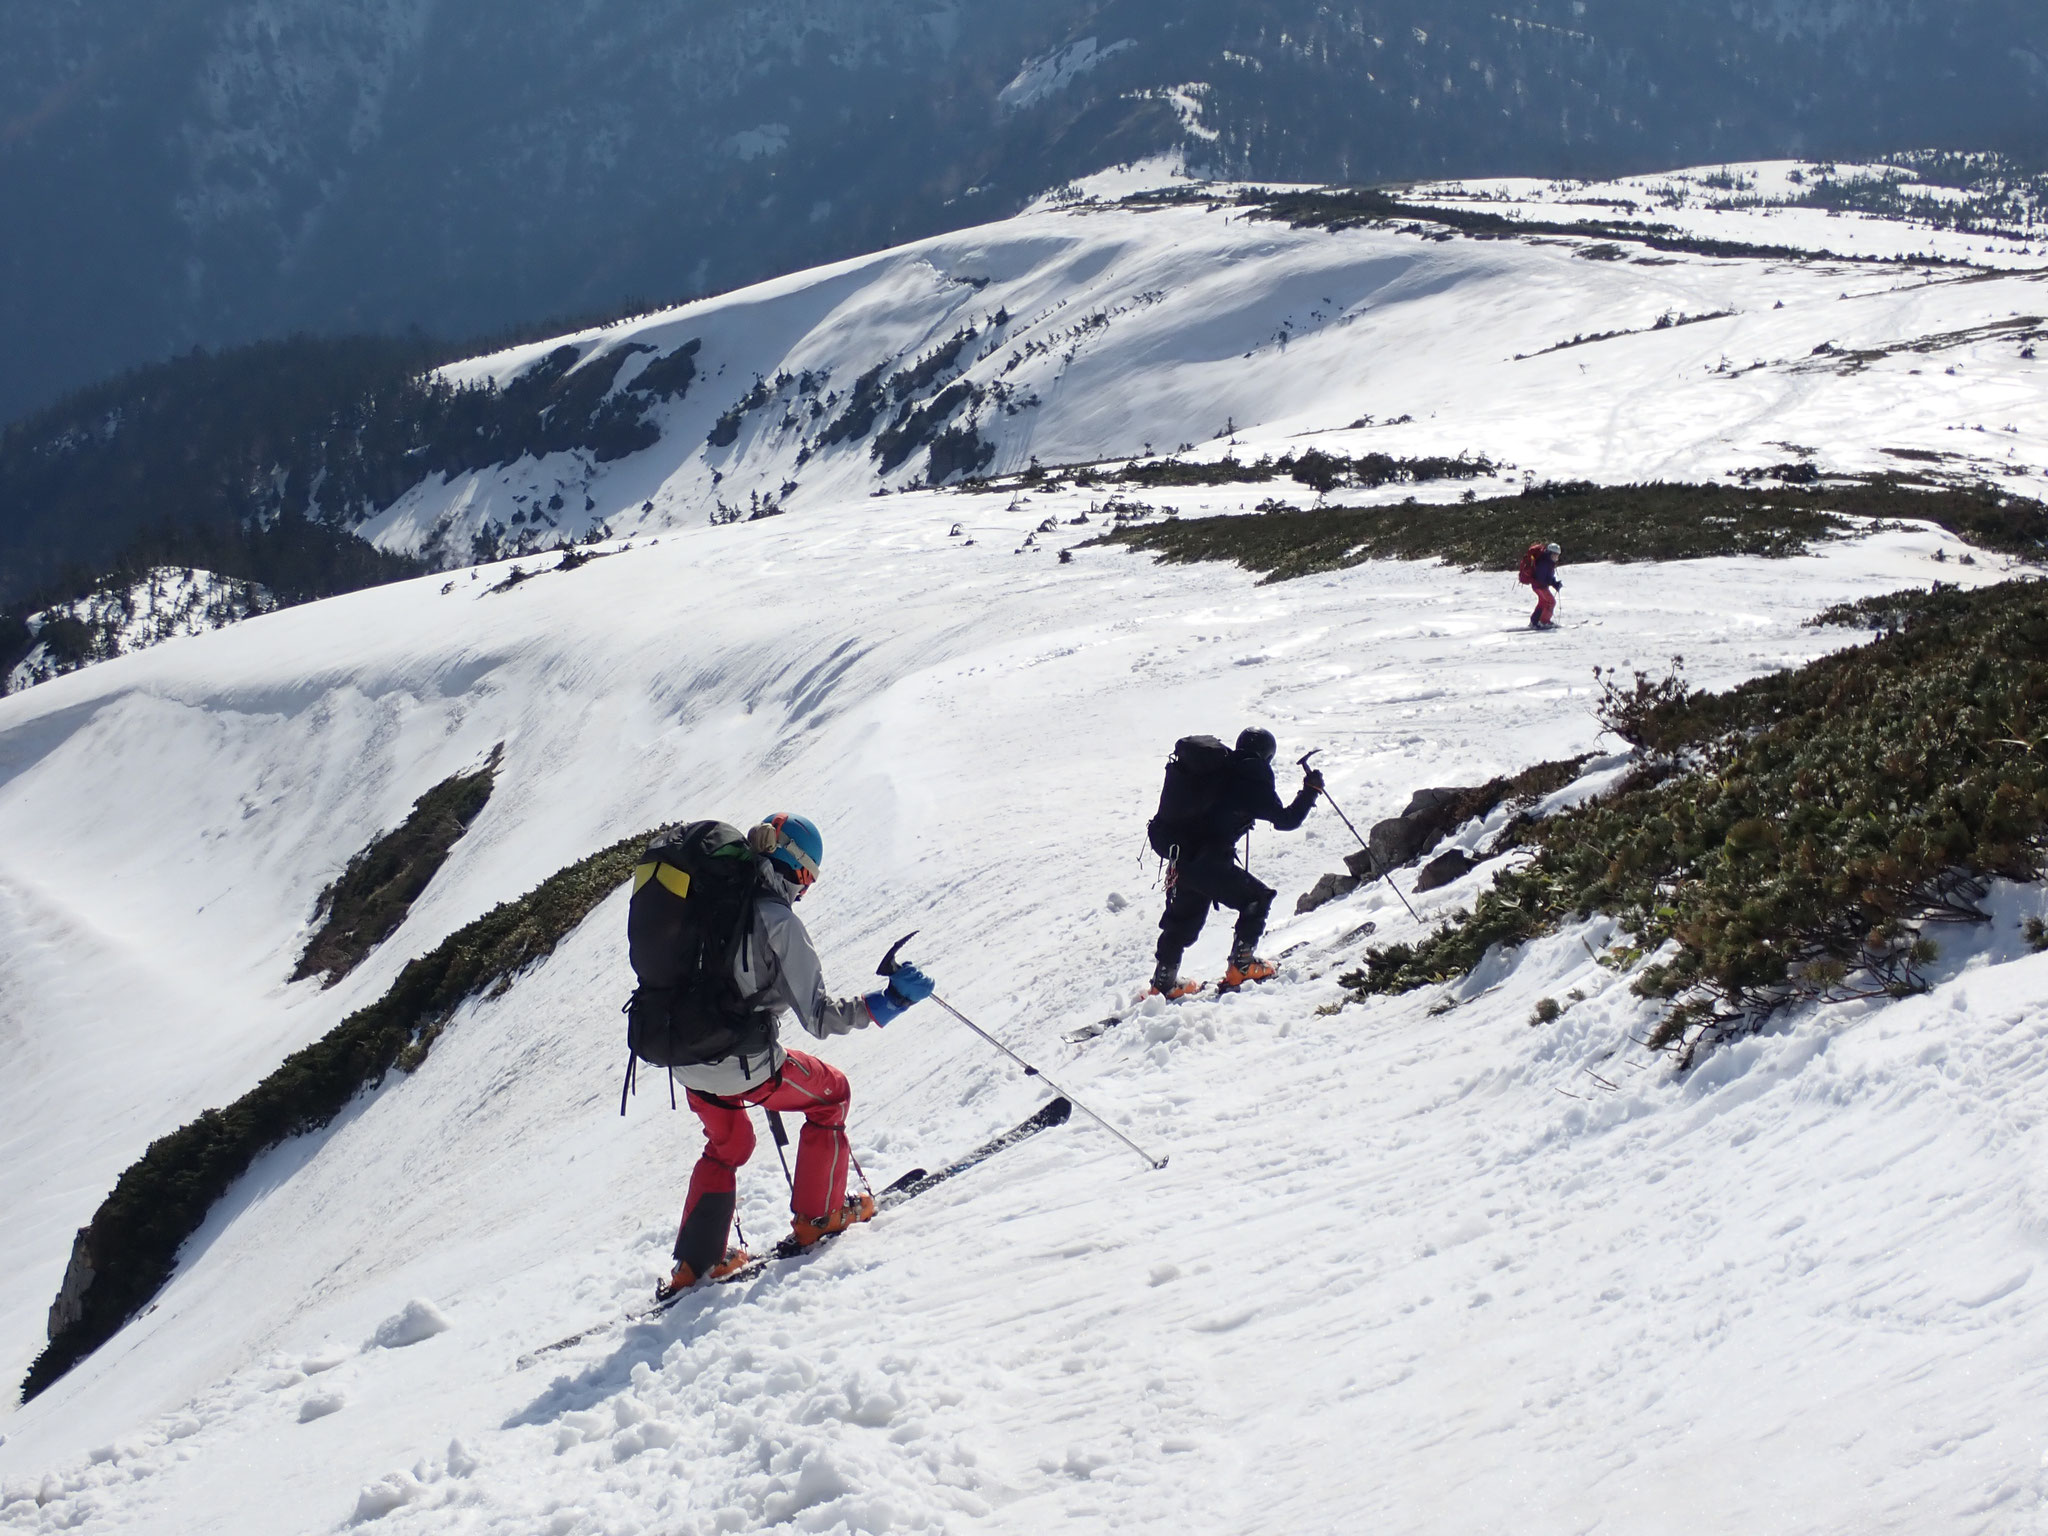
pixel 816 1089
pixel 1546 604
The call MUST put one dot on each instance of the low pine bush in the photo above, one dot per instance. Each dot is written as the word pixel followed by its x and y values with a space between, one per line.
pixel 375 892
pixel 1805 835
pixel 1621 525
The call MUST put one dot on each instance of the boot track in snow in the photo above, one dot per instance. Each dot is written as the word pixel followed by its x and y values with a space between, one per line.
pixel 912 1184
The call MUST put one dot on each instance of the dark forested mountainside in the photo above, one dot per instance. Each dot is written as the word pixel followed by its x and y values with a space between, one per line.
pixel 227 457
pixel 181 172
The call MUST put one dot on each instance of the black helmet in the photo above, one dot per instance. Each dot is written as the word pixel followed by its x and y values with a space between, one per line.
pixel 1257 743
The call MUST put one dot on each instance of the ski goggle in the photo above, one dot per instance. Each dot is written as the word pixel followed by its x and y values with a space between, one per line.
pixel 806 871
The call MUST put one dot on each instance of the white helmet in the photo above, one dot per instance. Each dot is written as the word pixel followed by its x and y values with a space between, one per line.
pixel 1554 550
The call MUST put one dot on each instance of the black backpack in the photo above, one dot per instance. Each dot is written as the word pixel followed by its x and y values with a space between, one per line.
pixel 692 908
pixel 1195 778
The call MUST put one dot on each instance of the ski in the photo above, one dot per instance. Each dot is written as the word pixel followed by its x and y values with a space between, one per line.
pixel 911 1185
pixel 1105 1025
pixel 908 1187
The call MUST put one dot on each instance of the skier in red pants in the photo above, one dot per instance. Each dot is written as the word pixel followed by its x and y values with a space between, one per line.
pixel 1543 577
pixel 776 968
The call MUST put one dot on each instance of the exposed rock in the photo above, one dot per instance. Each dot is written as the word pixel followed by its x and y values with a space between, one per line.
pixel 1326 890
pixel 69 1306
pixel 1445 868
pixel 1430 817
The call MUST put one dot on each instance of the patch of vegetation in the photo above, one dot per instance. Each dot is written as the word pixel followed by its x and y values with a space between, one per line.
pixel 2003 195
pixel 1895 610
pixel 1802 832
pixel 375 892
pixel 1356 207
pixel 1622 524
pixel 957 451
pixel 130 1249
pixel 1319 471
pixel 917 424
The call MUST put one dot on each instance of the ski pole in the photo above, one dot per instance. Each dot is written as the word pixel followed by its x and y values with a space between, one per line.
pixel 1382 874
pixel 781 1141
pixel 888 968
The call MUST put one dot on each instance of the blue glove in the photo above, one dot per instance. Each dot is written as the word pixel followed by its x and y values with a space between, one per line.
pixel 910 985
pixel 907 986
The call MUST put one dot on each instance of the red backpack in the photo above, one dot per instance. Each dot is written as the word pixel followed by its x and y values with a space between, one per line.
pixel 1530 556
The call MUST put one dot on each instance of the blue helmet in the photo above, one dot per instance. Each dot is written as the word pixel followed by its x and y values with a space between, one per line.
pixel 799 848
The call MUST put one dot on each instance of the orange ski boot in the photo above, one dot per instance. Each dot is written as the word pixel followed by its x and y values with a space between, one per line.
pixel 685 1277
pixel 858 1208
pixel 1168 985
pixel 1243 969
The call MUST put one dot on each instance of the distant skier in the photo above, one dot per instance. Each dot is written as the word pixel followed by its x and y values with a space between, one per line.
pixel 720 953
pixel 1539 570
pixel 1210 799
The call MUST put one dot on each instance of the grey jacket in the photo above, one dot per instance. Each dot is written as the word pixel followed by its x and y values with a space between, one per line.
pixel 777 955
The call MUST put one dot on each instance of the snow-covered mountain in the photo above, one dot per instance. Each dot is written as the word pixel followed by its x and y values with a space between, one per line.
pixel 1097 327
pixel 215 171
pixel 982 351
pixel 1411 1267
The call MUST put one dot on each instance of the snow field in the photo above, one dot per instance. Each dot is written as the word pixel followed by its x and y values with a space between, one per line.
pixel 1391 1275
pixel 1408 1269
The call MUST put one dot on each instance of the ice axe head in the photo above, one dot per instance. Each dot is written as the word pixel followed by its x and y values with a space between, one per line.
pixel 1306 756
pixel 889 961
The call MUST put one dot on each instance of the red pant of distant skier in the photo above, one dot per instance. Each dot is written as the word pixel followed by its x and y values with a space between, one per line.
pixel 1546 605
pixel 806 1085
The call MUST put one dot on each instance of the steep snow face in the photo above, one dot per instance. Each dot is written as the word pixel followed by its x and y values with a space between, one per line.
pixel 1053 73
pixel 1082 331
pixel 1525 1264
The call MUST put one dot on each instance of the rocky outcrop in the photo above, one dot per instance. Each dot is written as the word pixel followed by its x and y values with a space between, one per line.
pixel 1430 816
pixel 1324 891
pixel 1445 868
pixel 69 1306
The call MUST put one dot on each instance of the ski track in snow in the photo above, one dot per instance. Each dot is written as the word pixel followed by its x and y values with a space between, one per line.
pixel 1406 1271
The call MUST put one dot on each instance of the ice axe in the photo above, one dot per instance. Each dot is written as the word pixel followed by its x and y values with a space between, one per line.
pixel 1381 874
pixel 888 968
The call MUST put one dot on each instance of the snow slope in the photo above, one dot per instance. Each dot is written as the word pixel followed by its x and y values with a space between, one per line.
pixel 1379 1229
pixel 1407 1269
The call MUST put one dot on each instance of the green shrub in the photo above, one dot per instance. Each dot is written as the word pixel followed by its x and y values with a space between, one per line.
pixel 132 1242
pixel 375 892
pixel 1616 524
pixel 1644 713
pixel 1623 524
pixel 1824 818
pixel 1318 471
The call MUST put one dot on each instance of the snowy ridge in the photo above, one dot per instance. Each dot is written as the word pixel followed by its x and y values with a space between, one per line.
pixel 1088 330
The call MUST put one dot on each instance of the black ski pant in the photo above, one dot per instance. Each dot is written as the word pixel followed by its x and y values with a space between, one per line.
pixel 1206 878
